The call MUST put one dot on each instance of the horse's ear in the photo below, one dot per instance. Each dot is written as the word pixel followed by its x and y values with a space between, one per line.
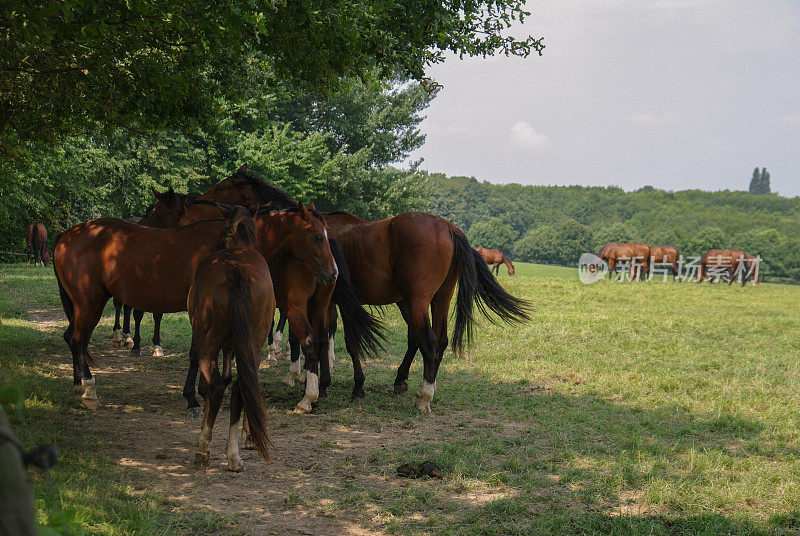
pixel 241 169
pixel 311 207
pixel 304 212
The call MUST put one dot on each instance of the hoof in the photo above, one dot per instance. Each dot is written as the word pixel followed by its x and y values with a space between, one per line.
pixel 288 380
pixel 128 341
pixel 303 407
pixel 248 443
pixel 158 351
pixel 358 392
pixel 271 361
pixel 115 344
pixel 400 388
pixel 202 461
pixel 91 403
pixel 423 404
pixel 78 389
pixel 136 353
pixel 235 465
pixel 194 411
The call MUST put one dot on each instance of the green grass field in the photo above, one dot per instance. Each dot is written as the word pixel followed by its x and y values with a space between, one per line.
pixel 636 408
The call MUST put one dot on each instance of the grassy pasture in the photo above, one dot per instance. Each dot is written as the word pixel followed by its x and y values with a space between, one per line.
pixel 620 409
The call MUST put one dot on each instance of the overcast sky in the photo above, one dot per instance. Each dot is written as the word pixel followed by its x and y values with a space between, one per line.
pixel 675 94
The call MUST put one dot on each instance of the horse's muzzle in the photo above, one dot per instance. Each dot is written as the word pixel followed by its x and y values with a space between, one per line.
pixel 329 277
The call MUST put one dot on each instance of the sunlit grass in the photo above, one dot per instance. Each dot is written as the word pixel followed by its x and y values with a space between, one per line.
pixel 636 408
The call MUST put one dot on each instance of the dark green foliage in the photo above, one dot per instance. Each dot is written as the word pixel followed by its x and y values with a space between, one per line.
pixel 557 223
pixel 69 64
pixel 759 183
pixel 492 234
pixel 338 164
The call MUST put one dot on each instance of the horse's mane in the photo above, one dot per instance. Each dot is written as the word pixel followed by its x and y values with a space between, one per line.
pixel 240 230
pixel 339 213
pixel 269 193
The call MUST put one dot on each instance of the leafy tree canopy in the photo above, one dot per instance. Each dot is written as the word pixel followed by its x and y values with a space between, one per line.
pixel 67 64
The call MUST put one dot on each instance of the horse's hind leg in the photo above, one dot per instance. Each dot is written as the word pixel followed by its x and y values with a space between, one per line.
pixel 157 350
pixel 85 320
pixel 213 401
pixel 116 339
pixel 126 326
pixel 193 406
pixel 136 351
pixel 232 448
pixel 421 326
pixel 400 382
pixel 294 360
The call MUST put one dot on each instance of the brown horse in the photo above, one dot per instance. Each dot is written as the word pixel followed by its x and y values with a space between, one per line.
pixel 495 257
pixel 36 236
pixel 385 258
pixel 152 269
pixel 161 219
pixel 722 263
pixel 665 255
pixel 231 305
pixel 307 302
pixel 614 253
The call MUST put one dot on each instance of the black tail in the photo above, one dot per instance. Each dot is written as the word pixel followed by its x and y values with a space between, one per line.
pixel 241 318
pixel 476 284
pixel 364 331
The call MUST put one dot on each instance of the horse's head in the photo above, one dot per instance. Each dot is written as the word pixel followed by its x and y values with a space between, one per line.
pixel 46 256
pixel 510 266
pixel 167 211
pixel 309 243
pixel 197 210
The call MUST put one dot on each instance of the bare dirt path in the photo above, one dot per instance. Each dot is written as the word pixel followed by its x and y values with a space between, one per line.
pixel 142 426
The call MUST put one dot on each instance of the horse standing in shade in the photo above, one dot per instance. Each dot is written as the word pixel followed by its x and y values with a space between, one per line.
pixel 231 305
pixel 153 269
pixel 722 263
pixel 36 237
pixel 385 259
pixel 665 255
pixel 614 253
pixel 122 334
pixel 495 258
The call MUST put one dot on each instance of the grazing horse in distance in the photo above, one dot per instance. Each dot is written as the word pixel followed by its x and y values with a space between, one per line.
pixel 36 237
pixel 665 255
pixel 614 253
pixel 721 262
pixel 152 269
pixel 495 257
pixel 231 305
pixel 385 257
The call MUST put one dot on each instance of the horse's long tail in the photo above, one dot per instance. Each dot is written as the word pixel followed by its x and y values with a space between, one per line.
pixel 241 317
pixel 363 330
pixel 477 285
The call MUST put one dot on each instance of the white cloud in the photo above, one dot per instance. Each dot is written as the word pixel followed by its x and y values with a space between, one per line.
pixel 523 135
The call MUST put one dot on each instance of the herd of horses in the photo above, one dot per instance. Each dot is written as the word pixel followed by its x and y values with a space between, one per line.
pixel 720 262
pixel 232 255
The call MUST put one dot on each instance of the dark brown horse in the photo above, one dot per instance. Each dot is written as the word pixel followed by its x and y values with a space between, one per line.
pixel 636 253
pixel 385 259
pixel 495 258
pixel 36 237
pixel 665 255
pixel 231 305
pixel 308 303
pixel 152 269
pixel 721 264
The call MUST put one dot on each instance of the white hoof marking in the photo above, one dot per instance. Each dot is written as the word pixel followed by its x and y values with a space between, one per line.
pixel 424 397
pixel 312 393
pixel 158 351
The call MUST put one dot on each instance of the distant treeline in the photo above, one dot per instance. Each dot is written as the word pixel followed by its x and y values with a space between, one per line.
pixel 555 224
